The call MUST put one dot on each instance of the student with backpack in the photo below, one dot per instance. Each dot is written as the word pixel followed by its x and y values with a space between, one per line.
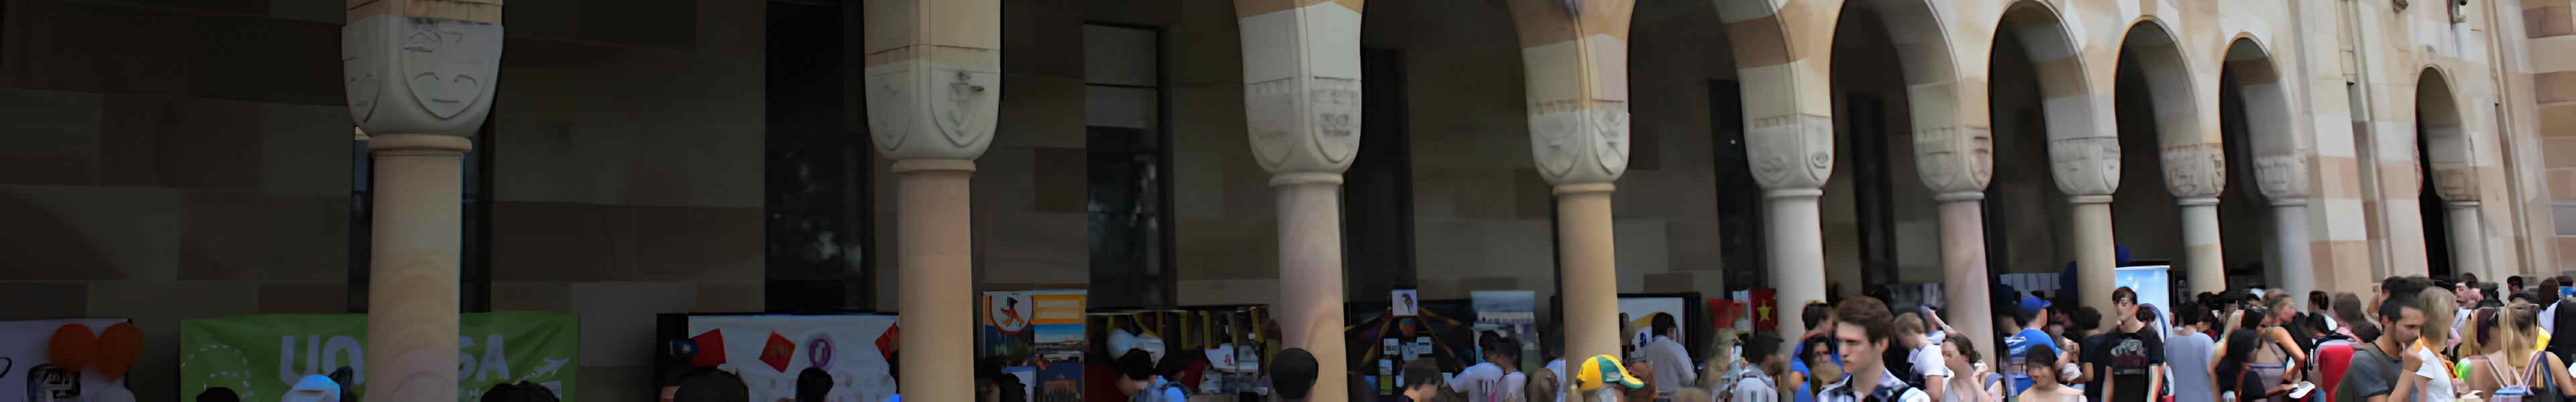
pixel 2514 369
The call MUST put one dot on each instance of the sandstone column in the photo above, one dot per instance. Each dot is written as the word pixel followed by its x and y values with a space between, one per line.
pixel 933 92
pixel 2290 234
pixel 2455 178
pixel 2195 173
pixel 1576 56
pixel 422 99
pixel 1301 95
pixel 2096 255
pixel 2467 252
pixel 1957 161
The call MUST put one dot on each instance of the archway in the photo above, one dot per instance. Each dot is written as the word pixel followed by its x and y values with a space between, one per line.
pixel 1875 213
pixel 2027 213
pixel 2162 142
pixel 2264 202
pixel 2448 193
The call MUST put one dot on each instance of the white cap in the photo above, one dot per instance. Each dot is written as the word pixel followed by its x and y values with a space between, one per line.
pixel 313 388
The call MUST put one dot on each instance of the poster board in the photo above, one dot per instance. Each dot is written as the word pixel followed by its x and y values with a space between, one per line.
pixel 23 352
pixel 1381 342
pixel 261 356
pixel 769 351
pixel 1038 335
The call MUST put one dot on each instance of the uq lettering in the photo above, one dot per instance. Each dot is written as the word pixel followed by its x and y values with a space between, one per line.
pixel 493 361
pixel 321 357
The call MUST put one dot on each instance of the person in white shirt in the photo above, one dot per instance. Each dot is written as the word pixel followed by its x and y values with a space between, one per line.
pixel 1497 379
pixel 1757 383
pixel 1925 355
pixel 1673 368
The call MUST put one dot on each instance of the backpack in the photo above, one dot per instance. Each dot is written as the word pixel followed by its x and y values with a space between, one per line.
pixel 2518 388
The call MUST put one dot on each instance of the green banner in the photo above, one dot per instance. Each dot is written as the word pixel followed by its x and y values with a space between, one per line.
pixel 260 356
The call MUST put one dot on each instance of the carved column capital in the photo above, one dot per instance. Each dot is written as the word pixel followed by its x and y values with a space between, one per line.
pixel 932 76
pixel 2085 165
pixel 1791 151
pixel 2195 170
pixel 2455 183
pixel 1301 91
pixel 1575 55
pixel 1954 159
pixel 2282 177
pixel 421 66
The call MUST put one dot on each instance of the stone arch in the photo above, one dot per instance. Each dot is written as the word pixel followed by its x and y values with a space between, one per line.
pixel 1792 141
pixel 2194 164
pixel 2082 147
pixel 2264 204
pixel 2280 162
pixel 2445 135
pixel 1952 156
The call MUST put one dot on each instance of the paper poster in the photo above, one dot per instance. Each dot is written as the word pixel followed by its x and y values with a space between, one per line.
pixel 1039 335
pixel 1405 303
pixel 25 362
pixel 260 356
pixel 1641 312
pixel 771 351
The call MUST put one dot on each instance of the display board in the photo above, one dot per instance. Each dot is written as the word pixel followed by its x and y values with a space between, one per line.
pixel 27 360
pixel 2154 284
pixel 770 352
pixel 1513 313
pixel 1038 335
pixel 260 356
pixel 1381 342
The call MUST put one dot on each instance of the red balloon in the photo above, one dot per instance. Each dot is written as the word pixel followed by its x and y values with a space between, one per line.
pixel 120 346
pixel 73 347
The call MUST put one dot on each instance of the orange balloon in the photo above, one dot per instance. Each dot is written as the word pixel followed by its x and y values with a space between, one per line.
pixel 73 347
pixel 119 348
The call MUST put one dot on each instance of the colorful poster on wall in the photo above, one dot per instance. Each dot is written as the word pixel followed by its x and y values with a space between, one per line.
pixel 260 356
pixel 1641 313
pixel 27 361
pixel 1039 336
pixel 1765 304
pixel 770 352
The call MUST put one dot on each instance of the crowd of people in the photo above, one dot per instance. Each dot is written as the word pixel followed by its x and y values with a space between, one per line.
pixel 2411 339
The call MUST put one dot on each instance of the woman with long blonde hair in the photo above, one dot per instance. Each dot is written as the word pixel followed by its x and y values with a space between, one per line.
pixel 2430 377
pixel 2513 360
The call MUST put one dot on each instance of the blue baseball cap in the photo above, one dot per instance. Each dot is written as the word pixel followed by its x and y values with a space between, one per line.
pixel 2032 304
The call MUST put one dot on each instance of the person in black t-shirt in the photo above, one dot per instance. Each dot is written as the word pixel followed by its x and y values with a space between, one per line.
pixel 2129 357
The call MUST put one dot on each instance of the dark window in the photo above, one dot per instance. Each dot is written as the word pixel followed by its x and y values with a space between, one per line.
pixel 816 161
pixel 1377 193
pixel 1739 212
pixel 1866 144
pixel 1127 171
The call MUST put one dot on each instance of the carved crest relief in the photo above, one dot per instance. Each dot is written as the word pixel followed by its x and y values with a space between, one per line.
pixel 1336 104
pixel 965 105
pixel 890 107
pixel 1937 156
pixel 1791 150
pixel 449 64
pixel 2455 183
pixel 1981 155
pixel 2086 165
pixel 362 63
pixel 2282 176
pixel 1610 124
pixel 2195 170
pixel 1270 108
pixel 1554 136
